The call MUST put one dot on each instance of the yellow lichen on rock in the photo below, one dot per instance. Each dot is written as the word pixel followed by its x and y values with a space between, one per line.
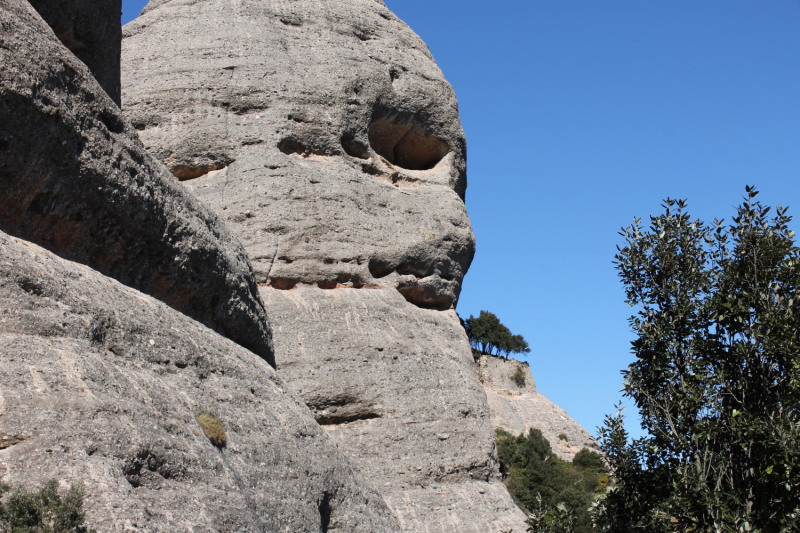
pixel 213 428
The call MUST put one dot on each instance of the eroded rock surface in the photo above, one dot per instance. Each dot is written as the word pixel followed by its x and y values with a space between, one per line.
pixel 76 179
pixel 91 30
pixel 327 137
pixel 101 384
pixel 322 132
pixel 397 386
pixel 518 408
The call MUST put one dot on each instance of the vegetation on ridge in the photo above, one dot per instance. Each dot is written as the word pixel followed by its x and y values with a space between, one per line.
pixel 518 376
pixel 488 335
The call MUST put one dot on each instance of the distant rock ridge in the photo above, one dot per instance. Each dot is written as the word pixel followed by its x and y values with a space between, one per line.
pixel 517 409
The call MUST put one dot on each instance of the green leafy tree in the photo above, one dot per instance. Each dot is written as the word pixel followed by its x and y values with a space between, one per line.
pixel 557 493
pixel 715 377
pixel 44 511
pixel 487 334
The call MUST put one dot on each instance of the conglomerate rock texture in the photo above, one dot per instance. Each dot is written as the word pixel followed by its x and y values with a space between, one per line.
pixel 397 386
pixel 327 137
pixel 91 30
pixel 76 179
pixel 517 408
pixel 100 384
pixel 323 132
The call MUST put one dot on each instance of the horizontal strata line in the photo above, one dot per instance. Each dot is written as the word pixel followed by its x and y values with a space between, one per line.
pixel 324 286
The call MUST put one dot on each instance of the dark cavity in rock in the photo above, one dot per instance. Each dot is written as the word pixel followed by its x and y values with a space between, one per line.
pixel 406 145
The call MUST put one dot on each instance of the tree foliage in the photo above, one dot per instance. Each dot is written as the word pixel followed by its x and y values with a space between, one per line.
pixel 715 377
pixel 487 334
pixel 44 511
pixel 552 490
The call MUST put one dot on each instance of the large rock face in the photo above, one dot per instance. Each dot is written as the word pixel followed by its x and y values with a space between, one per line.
pixel 76 179
pixel 324 133
pixel 517 408
pixel 327 137
pixel 397 385
pixel 101 384
pixel 91 30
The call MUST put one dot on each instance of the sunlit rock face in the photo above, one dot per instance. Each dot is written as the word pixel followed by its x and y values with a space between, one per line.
pixel 329 140
pixel 324 133
pixel 101 385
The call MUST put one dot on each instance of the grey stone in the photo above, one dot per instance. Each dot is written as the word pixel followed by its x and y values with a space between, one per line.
pixel 322 132
pixel 76 179
pixel 396 385
pixel 327 137
pixel 518 409
pixel 101 384
pixel 92 31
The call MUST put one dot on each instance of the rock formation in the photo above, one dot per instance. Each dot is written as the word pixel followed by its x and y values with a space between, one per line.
pixel 323 133
pixel 518 408
pixel 101 384
pixel 329 140
pixel 90 29
pixel 397 386
pixel 76 179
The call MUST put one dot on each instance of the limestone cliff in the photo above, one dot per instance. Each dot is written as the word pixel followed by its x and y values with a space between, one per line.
pixel 517 408
pixel 329 140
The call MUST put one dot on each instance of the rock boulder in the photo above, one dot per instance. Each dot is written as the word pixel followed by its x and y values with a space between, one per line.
pixel 76 179
pixel 101 385
pixel 91 30
pixel 323 133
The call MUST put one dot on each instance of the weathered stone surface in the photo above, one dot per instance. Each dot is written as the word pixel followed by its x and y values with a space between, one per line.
pixel 76 179
pixel 323 132
pixel 101 384
pixel 517 409
pixel 92 31
pixel 327 137
pixel 397 385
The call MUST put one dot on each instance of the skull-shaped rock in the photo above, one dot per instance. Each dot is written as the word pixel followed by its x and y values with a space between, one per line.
pixel 323 132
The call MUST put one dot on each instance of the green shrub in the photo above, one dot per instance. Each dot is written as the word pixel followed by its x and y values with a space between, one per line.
pixel 563 436
pixel 42 512
pixel 213 428
pixel 542 483
pixel 490 337
pixel 519 376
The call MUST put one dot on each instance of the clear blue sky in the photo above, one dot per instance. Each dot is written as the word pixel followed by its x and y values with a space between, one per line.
pixel 579 116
